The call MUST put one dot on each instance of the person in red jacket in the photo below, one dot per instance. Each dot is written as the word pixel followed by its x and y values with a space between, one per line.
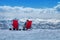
pixel 27 25
pixel 15 24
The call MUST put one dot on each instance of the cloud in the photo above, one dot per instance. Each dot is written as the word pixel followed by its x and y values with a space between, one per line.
pixel 57 7
pixel 58 2
pixel 27 12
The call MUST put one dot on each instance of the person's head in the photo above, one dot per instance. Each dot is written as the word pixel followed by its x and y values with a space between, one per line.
pixel 27 20
pixel 15 18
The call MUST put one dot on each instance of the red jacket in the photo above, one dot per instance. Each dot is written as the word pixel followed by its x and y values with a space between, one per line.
pixel 15 24
pixel 28 24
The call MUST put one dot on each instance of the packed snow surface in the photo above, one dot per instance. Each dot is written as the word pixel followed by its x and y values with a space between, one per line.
pixel 34 34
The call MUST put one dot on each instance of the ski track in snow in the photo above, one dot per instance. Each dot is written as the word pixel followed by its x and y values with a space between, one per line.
pixel 34 34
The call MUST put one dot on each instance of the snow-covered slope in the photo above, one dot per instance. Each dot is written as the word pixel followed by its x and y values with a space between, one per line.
pixel 35 34
pixel 42 29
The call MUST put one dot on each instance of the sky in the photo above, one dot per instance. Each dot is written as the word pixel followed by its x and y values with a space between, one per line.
pixel 42 9
pixel 30 3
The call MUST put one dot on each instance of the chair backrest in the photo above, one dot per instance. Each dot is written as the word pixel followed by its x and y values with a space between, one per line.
pixel 28 24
